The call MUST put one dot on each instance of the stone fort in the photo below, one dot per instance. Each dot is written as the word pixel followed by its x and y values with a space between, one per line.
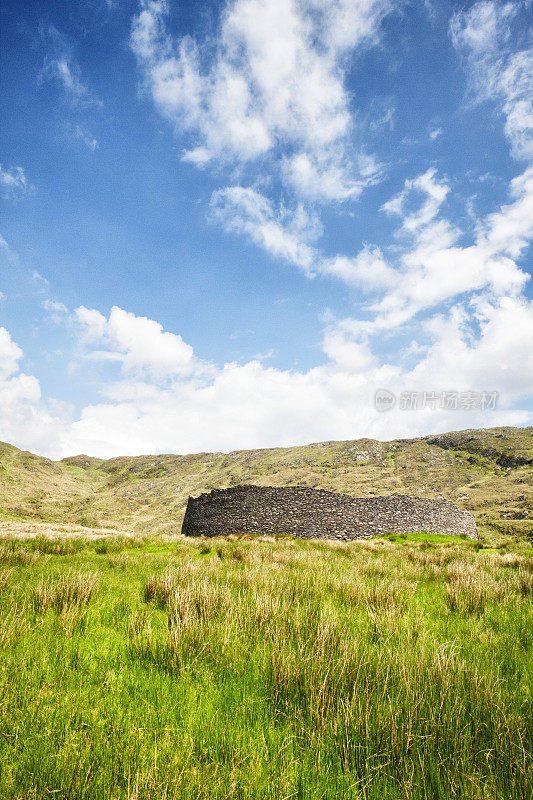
pixel 318 514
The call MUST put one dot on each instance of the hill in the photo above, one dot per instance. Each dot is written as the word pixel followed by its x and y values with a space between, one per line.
pixel 488 472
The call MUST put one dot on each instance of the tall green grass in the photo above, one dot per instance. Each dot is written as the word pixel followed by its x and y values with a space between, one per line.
pixel 267 669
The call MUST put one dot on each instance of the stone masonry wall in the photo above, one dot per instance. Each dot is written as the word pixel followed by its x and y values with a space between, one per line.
pixel 318 514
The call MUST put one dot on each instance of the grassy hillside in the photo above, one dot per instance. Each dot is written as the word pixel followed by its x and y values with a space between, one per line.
pixel 163 668
pixel 489 472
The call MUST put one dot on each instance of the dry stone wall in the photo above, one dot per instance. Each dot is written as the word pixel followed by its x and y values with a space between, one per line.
pixel 318 514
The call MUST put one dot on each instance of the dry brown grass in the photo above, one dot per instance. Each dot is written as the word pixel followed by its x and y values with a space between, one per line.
pixel 13 626
pixel 67 595
pixel 525 582
pixel 201 599
pixel 5 578
pixel 13 554
pixel 120 561
pixel 470 587
pixel 439 557
pixel 69 589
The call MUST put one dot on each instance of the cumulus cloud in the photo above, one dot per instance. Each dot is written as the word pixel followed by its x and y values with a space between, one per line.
pixel 163 398
pixel 510 229
pixel 291 235
pixel 368 270
pixel 252 405
pixel 329 176
pixel 10 354
pixel 425 268
pixel 138 343
pixel 478 344
pixel 262 88
pixel 271 84
pixel 24 419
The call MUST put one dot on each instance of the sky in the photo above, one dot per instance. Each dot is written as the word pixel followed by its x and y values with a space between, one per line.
pixel 229 224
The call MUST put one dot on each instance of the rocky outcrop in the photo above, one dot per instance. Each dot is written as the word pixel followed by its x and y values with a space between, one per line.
pixel 318 514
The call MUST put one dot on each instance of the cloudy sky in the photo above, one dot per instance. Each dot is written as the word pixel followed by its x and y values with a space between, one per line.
pixel 227 223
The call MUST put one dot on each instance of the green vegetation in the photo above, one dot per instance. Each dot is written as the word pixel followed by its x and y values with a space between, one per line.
pixel 436 538
pixel 157 667
pixel 489 472
pixel 135 664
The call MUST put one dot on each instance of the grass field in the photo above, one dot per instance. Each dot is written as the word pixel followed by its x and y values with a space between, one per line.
pixel 166 668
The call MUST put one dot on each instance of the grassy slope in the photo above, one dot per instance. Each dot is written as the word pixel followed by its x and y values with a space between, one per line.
pixel 489 472
pixel 265 669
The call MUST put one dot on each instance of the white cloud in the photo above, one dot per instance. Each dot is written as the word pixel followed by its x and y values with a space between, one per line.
pixel 497 72
pixel 165 399
pixel 272 83
pixel 348 349
pixel 138 343
pixel 499 355
pixel 251 405
pixel 14 180
pixel 510 229
pixel 285 234
pixel 484 28
pixel 282 85
pixel 24 419
pixel 10 355
pixel 325 176
pixel 426 268
pixel 429 264
pixel 64 70
pixel 93 324
pixel 368 269
pixel 61 65
pixel 432 268
pixel 86 137
pixel 435 133
pixel 433 194
pixel 9 254
pixel 56 311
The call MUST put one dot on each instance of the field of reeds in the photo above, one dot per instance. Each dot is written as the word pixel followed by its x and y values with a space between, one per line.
pixel 273 668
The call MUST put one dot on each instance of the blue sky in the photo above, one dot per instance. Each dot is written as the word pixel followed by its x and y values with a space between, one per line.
pixel 228 224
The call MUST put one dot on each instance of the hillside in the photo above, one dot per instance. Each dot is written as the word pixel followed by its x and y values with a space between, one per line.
pixel 488 471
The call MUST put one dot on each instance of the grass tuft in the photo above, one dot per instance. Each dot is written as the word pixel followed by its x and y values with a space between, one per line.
pixel 67 590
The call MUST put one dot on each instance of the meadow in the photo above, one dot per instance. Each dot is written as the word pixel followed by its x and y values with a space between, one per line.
pixel 159 667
